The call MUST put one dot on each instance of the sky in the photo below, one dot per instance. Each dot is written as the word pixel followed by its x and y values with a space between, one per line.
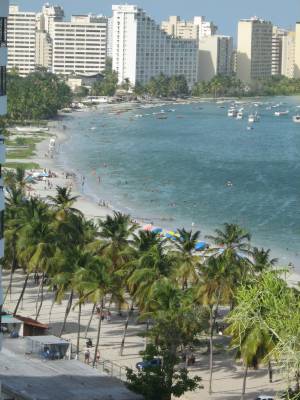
pixel 224 13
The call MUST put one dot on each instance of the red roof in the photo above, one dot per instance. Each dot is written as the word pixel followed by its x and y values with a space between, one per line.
pixel 32 322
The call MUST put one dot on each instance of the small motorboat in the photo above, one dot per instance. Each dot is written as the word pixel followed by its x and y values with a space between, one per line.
pixel 296 119
pixel 253 118
pixel 240 114
pixel 232 112
pixel 281 113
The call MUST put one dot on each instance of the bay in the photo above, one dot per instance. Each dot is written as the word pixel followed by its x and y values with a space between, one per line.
pixel 175 171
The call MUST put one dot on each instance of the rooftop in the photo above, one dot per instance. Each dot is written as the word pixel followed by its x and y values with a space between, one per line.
pixel 32 379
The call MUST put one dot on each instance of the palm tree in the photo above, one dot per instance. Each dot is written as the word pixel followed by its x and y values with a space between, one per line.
pixel 261 260
pixel 188 262
pixel 98 283
pixel 233 237
pixel 36 241
pixel 116 232
pixel 253 344
pixel 214 287
pixel 63 201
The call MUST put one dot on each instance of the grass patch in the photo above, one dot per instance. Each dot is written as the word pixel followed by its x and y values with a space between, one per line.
pixel 21 153
pixel 26 166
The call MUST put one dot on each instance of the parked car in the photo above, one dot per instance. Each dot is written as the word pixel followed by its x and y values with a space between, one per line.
pixel 264 397
pixel 156 362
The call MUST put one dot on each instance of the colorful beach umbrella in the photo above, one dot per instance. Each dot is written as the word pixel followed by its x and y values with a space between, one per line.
pixel 157 230
pixel 148 227
pixel 200 246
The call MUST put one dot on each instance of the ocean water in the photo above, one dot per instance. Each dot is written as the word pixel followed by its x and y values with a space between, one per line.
pixel 173 171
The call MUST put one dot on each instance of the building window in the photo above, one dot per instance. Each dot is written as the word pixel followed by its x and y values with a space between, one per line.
pixel 2 81
pixel 3 32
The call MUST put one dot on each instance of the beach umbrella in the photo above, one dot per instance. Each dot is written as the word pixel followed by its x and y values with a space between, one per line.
pixel 200 246
pixel 157 230
pixel 148 227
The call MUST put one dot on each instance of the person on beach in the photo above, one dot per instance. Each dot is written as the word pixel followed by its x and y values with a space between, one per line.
pixel 87 356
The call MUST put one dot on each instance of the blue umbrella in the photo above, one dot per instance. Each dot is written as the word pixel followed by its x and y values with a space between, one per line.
pixel 200 246
pixel 157 230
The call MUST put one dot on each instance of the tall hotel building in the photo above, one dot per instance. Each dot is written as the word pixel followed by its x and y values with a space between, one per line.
pixel 21 36
pixel 3 109
pixel 195 29
pixel 254 49
pixel 297 51
pixel 142 50
pixel 79 46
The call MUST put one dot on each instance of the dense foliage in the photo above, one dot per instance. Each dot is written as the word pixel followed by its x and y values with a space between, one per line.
pixel 164 86
pixel 221 86
pixel 37 96
pixel 107 86
pixel 177 292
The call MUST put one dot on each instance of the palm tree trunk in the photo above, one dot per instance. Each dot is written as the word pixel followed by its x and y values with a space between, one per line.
pixel 98 334
pixel 211 333
pixel 42 298
pixel 270 371
pixel 78 331
pixel 68 308
pixel 21 294
pixel 90 320
pixel 244 382
pixel 38 294
pixel 130 312
pixel 12 270
pixel 52 305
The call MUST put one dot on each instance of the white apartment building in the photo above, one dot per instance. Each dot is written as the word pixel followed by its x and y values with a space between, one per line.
pixel 277 42
pixel 109 37
pixel 3 110
pixel 288 55
pixel 254 49
pixel 142 50
pixel 49 15
pixel 43 50
pixel 215 57
pixel 196 29
pixel 21 36
pixel 297 51
pixel 79 46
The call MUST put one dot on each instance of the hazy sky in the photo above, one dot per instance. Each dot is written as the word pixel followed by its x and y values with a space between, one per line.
pixel 225 13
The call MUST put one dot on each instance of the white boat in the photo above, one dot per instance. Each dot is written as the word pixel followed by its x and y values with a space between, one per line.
pixel 296 119
pixel 240 115
pixel 253 118
pixel 31 129
pixel 281 113
pixel 232 112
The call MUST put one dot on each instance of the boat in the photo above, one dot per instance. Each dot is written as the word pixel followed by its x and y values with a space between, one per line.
pixel 281 113
pixel 296 119
pixel 253 118
pixel 232 112
pixel 240 115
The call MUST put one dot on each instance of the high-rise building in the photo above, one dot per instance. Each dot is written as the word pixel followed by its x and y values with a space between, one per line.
pixel 21 37
pixel 109 37
pixel 3 109
pixel 142 50
pixel 277 41
pixel 79 46
pixel 288 55
pixel 198 28
pixel 49 15
pixel 254 49
pixel 215 57
pixel 297 51
pixel 43 50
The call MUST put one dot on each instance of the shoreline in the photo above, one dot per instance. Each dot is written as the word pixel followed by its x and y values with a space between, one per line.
pixel 86 202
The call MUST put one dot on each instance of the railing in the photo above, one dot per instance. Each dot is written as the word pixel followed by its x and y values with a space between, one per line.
pixel 108 367
pixel 112 369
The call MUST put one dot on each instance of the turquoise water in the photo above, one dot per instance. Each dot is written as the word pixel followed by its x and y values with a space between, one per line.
pixel 174 171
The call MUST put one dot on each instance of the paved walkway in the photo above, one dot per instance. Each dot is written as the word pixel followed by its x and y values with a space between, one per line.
pixel 227 375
